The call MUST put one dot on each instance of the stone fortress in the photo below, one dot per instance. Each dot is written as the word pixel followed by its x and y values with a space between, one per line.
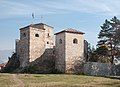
pixel 67 50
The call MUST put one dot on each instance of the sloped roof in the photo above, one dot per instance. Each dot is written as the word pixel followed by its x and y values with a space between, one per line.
pixel 70 30
pixel 34 25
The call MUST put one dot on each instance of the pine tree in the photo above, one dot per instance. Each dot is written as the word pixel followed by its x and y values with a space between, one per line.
pixel 104 33
pixel 110 36
pixel 115 23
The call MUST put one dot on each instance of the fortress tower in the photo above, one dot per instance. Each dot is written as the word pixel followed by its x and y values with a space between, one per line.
pixel 69 50
pixel 34 39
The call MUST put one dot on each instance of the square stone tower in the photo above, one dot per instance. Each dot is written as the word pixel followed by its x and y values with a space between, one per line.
pixel 34 39
pixel 69 50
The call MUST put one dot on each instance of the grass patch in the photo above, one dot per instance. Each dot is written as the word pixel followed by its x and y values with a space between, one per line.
pixel 58 80
pixel 6 80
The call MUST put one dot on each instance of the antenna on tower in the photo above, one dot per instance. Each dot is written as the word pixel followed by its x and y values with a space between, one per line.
pixel 33 17
pixel 41 19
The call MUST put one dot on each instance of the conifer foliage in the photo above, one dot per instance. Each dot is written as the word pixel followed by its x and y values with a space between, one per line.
pixel 109 36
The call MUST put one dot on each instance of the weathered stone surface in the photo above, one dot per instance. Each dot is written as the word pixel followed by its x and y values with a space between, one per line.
pixel 67 52
pixel 34 40
pixel 36 46
pixel 60 52
pixel 43 64
pixel 98 69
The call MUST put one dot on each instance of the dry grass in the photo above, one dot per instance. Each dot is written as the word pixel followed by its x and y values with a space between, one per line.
pixel 6 80
pixel 59 80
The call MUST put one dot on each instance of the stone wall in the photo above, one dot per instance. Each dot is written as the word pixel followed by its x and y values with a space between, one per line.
pixel 39 44
pixel 43 64
pixel 74 52
pixel 34 40
pixel 60 52
pixel 49 37
pixel 22 47
pixel 98 69
pixel 36 44
pixel 69 56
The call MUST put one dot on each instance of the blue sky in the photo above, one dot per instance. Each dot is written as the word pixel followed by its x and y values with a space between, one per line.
pixel 83 15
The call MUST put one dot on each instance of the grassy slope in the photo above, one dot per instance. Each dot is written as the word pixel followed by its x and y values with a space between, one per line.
pixel 53 80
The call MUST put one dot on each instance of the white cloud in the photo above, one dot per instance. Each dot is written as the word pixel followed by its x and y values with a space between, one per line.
pixel 101 7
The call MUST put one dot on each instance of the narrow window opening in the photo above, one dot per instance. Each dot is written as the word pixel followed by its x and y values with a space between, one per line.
pixel 60 41
pixel 47 42
pixel 48 35
pixel 24 35
pixel 36 35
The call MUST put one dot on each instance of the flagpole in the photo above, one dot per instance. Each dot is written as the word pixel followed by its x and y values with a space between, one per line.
pixel 33 16
pixel 41 19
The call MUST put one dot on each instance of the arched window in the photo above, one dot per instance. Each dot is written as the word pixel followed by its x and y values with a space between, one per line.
pixel 36 35
pixel 75 41
pixel 60 41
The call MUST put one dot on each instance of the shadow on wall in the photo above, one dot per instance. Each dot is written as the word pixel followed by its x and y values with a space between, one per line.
pixel 43 64
pixel 79 66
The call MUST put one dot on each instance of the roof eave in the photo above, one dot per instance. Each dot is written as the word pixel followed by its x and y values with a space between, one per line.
pixel 69 32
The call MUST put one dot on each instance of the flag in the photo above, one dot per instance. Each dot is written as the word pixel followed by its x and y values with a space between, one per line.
pixel 33 15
